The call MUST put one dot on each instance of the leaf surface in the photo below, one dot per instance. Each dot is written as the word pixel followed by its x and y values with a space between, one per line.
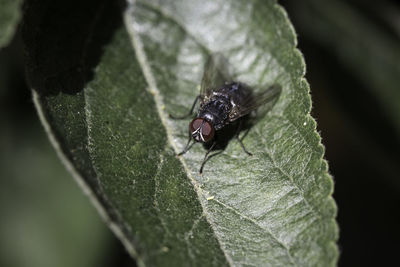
pixel 274 208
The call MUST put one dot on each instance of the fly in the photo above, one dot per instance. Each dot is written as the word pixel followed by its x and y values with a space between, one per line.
pixel 223 102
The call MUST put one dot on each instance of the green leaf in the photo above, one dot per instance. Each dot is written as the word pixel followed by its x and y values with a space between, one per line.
pixel 274 208
pixel 365 48
pixel 10 14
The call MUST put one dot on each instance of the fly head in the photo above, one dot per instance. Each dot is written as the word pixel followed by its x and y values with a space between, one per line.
pixel 201 130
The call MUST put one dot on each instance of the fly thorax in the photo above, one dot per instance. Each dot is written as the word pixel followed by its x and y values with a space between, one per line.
pixel 216 111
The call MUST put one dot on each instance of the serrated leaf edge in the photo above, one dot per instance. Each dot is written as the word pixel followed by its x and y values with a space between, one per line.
pixel 142 59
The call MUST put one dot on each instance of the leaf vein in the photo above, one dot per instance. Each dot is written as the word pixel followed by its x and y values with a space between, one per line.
pixel 290 178
pixel 155 198
pixel 253 221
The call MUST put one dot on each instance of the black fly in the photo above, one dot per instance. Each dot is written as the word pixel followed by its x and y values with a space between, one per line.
pixel 223 102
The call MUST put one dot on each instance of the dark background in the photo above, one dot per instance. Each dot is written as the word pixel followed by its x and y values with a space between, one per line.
pixel 362 148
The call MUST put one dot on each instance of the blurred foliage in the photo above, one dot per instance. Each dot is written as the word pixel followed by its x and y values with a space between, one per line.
pixel 10 14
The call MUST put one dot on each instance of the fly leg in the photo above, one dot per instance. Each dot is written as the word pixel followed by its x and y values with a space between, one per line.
pixel 188 145
pixel 206 158
pixel 190 112
pixel 240 140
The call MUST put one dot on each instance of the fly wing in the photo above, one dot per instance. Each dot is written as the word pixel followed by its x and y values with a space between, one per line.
pixel 215 75
pixel 254 101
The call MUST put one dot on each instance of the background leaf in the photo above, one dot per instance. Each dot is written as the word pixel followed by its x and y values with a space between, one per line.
pixel 111 125
pixel 10 14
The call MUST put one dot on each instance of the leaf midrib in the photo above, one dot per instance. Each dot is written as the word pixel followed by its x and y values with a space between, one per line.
pixel 152 88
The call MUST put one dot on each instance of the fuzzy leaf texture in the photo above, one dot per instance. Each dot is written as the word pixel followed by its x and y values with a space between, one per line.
pixel 104 97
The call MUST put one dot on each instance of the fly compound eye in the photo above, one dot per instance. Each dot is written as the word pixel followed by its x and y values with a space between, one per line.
pixel 207 131
pixel 201 130
pixel 195 125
